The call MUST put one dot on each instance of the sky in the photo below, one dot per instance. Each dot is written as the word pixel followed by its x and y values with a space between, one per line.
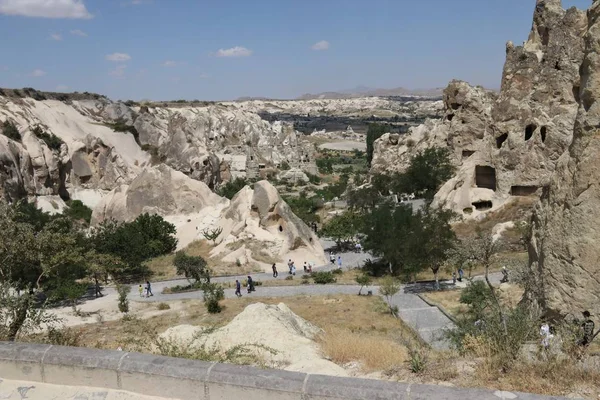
pixel 225 49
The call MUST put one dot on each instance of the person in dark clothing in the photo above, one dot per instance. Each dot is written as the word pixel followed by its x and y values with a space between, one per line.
pixel 588 329
pixel 250 284
pixel 275 273
pixel 148 289
pixel 238 288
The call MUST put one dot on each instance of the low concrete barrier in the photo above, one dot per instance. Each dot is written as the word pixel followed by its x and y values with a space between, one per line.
pixel 177 378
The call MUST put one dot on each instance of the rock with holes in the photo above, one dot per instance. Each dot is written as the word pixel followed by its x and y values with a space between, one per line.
pixel 564 253
pixel 507 144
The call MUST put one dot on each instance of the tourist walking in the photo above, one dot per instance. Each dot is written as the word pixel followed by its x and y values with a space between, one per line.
pixel 275 274
pixel 332 258
pixel 293 269
pixel 290 265
pixel 148 289
pixel 238 288
pixel 454 277
pixel 141 290
pixel 339 262
pixel 305 267
pixel 250 284
pixel 504 275
pixel 460 274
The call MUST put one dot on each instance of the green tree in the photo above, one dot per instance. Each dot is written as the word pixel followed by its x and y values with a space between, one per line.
pixel 192 267
pixel 325 165
pixel 304 207
pixel 388 288
pixel 213 293
pixel 146 237
pixel 231 188
pixel 342 228
pixel 212 234
pixel 426 173
pixel 123 300
pixel 363 280
pixel 78 211
pixel 374 132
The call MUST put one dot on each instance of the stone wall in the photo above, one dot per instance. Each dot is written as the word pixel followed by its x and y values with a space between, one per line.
pixel 176 378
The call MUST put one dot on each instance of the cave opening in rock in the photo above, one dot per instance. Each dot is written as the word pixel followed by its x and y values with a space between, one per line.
pixel 450 116
pixel 280 228
pixel 485 177
pixel 483 205
pixel 529 129
pixel 467 153
pixel 501 139
pixel 543 132
pixel 455 106
pixel 523 190
pixel 576 93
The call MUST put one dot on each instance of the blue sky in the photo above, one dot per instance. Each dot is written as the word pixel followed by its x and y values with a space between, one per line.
pixel 207 49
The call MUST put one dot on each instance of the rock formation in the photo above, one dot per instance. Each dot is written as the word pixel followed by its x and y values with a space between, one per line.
pixel 506 145
pixel 564 253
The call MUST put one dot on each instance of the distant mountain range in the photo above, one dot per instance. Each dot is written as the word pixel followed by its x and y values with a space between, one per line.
pixel 364 91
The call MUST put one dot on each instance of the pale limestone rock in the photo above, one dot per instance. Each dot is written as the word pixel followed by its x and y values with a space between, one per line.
pixel 564 253
pixel 294 176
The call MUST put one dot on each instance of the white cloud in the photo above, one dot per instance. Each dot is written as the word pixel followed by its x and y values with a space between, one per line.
pixel 38 72
pixel 169 63
pixel 322 45
pixel 78 32
pixel 118 57
pixel 62 88
pixel 56 36
pixel 119 71
pixel 236 51
pixel 45 8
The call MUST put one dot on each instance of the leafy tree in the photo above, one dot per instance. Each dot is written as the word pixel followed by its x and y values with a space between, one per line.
pixel 146 237
pixel 192 267
pixel 10 130
pixel 304 207
pixel 363 280
pixel 28 213
pixel 342 228
pixel 212 234
pixel 389 288
pixel 364 198
pixel 374 132
pixel 409 242
pixel 478 298
pixel 78 211
pixel 72 291
pixel 123 300
pixel 427 171
pixel 325 165
pixel 213 293
pixel 231 188
pixel 100 266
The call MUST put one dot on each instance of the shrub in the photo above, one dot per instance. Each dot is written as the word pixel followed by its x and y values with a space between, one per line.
pixel 314 179
pixel 213 293
pixel 10 131
pixel 284 166
pixel 323 277
pixel 231 188
pixel 363 280
pixel 120 126
pixel 78 211
pixel 418 360
pixel 163 306
pixel 289 278
pixel 192 267
pixel 52 141
pixel 63 337
pixel 123 302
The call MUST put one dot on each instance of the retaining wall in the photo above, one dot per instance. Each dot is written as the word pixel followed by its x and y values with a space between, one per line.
pixel 189 379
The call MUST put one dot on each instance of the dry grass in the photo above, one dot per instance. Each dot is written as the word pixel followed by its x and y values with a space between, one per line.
pixel 372 352
pixel 162 267
pixel 448 299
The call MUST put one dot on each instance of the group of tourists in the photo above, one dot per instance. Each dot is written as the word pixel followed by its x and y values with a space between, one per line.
pixel 146 290
pixel 333 260
pixel 249 286
pixel 587 327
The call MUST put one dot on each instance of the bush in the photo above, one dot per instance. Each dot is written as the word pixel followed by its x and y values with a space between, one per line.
pixel 284 166
pixel 213 293
pixel 52 141
pixel 163 306
pixel 123 302
pixel 78 211
pixel 63 337
pixel 314 179
pixel 10 131
pixel 289 278
pixel 323 277
pixel 231 188
pixel 192 267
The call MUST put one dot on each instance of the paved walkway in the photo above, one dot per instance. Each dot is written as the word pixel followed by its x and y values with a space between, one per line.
pixel 429 322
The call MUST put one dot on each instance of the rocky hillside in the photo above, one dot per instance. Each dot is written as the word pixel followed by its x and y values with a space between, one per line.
pixel 505 144
pixel 564 249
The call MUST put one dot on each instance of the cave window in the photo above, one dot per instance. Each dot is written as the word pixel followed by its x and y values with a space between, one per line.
pixel 500 140
pixel 485 177
pixel 576 93
pixel 529 129
pixel 261 166
pixel 205 162
pixel 543 132
pixel 251 158
pixel 557 66
pixel 483 205
pixel 280 228
pixel 523 190
pixel 450 116
pixel 455 106
pixel 467 153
